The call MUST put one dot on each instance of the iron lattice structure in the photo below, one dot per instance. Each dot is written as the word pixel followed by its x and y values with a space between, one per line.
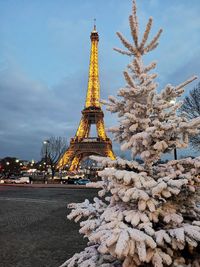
pixel 82 145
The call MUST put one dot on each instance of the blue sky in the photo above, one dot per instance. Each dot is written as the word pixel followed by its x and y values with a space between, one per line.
pixel 44 58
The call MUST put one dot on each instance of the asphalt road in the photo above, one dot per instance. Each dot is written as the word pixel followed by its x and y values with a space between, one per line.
pixel 34 230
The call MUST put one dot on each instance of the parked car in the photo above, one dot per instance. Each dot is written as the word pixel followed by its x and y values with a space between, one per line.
pixel 10 180
pixel 64 181
pixel 22 180
pixel 83 181
pixel 72 180
pixel 2 180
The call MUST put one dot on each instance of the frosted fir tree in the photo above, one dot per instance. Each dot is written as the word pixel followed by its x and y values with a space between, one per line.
pixel 146 214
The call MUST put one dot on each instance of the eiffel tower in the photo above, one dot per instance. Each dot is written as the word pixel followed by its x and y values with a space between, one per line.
pixel 82 145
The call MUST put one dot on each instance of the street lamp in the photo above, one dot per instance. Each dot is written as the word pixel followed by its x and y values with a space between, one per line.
pixel 46 142
pixel 172 101
pixel 8 169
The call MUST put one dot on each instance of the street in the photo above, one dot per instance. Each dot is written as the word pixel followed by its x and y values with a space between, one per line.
pixel 34 230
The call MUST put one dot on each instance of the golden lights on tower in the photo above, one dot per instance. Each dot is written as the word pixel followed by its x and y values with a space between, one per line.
pixel 82 144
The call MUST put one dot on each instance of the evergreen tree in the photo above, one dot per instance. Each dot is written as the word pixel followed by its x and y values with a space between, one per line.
pixel 147 214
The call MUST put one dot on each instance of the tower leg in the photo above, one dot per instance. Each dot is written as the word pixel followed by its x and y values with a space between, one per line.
pixel 75 163
pixel 83 129
pixel 66 158
pixel 101 129
pixel 110 154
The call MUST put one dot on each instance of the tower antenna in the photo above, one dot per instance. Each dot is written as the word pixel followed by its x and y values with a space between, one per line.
pixel 94 24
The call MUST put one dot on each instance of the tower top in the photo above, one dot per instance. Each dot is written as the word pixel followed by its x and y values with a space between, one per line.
pixel 93 90
pixel 94 34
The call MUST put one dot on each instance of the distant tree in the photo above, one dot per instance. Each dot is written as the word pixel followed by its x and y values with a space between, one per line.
pixel 51 151
pixel 191 110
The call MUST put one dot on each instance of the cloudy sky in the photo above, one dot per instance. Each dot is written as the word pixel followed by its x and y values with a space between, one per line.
pixel 44 57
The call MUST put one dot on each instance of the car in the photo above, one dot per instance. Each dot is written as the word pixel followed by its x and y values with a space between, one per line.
pixel 72 180
pixel 22 180
pixel 83 181
pixel 10 180
pixel 64 181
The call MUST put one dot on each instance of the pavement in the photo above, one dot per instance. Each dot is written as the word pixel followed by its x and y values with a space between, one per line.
pixel 43 185
pixel 34 230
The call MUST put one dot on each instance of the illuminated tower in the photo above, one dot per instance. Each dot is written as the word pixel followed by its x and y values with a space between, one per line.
pixel 83 145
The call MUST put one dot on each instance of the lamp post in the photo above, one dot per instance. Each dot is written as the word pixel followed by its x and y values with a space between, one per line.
pixel 17 166
pixel 173 101
pixel 8 168
pixel 175 153
pixel 46 142
pixel 32 162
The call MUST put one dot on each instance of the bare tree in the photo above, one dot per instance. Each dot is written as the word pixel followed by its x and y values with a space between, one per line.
pixel 191 109
pixel 52 150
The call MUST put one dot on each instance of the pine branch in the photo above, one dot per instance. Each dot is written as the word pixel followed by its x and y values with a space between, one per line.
pixel 127 44
pixel 133 30
pixel 129 79
pixel 152 44
pixel 134 12
pixel 123 52
pixel 146 34
pixel 150 67
pixel 151 48
pixel 185 83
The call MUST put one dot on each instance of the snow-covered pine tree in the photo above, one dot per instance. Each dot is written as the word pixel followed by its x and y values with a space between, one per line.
pixel 147 214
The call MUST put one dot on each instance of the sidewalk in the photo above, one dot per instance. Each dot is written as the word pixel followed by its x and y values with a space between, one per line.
pixel 72 186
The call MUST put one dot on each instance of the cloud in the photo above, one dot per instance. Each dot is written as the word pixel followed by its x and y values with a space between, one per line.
pixel 32 112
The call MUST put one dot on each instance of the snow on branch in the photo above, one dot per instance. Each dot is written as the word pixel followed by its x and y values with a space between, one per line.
pixel 138 49
pixel 170 92
pixel 146 33
pixel 90 257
